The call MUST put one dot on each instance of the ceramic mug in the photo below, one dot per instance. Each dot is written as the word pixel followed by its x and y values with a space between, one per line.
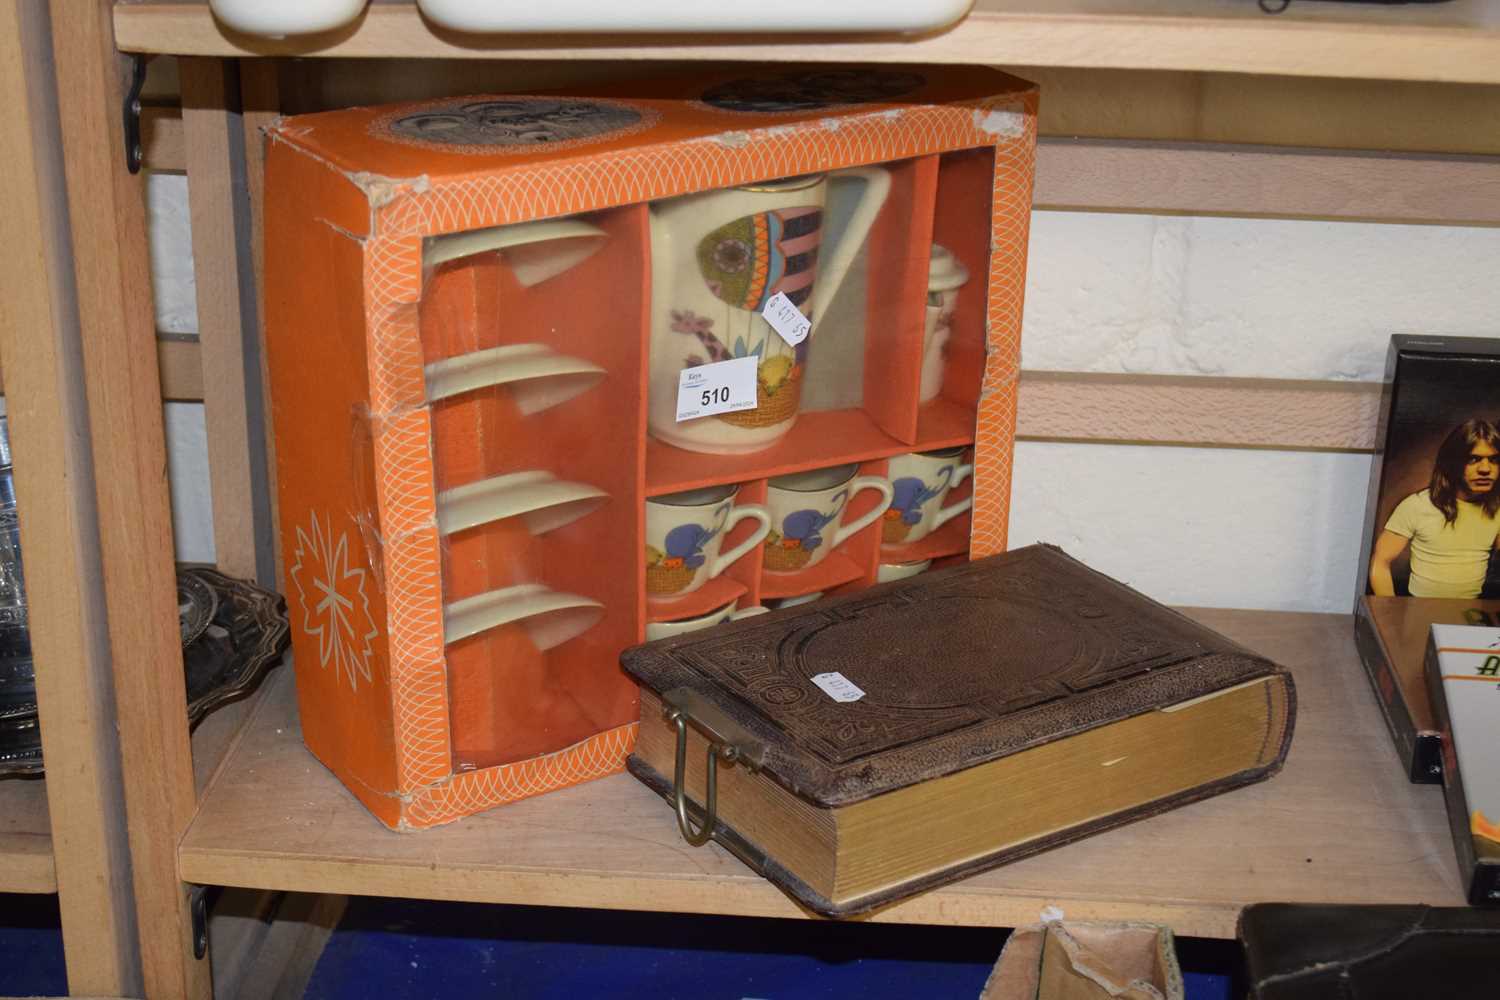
pixel 683 535
pixel 716 260
pixel 805 505
pixel 901 571
pixel 921 483
pixel 945 276
pixel 664 630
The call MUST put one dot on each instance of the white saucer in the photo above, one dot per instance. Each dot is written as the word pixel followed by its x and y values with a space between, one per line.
pixel 663 630
pixel 900 571
pixel 792 602
pixel 539 377
pixel 550 618
pixel 534 251
pixel 544 500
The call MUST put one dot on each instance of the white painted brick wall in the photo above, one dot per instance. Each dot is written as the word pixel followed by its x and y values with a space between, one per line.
pixel 1271 298
pixel 1138 293
pixel 1246 297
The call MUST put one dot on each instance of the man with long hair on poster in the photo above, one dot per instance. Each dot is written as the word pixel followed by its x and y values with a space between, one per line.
pixel 1452 525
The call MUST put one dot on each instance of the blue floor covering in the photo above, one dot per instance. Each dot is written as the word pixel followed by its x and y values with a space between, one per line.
pixel 399 949
pixel 412 949
pixel 31 951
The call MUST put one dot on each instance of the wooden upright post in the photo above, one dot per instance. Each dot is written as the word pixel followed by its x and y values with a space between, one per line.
pixel 233 400
pixel 41 353
pixel 107 212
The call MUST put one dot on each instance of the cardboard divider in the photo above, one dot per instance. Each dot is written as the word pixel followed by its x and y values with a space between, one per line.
pixel 835 569
pixel 949 540
pixel 714 594
pixel 509 701
pixel 943 423
pixel 961 223
pixel 896 297
pixel 705 598
pixel 827 437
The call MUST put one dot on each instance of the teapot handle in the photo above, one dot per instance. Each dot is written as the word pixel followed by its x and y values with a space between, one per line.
pixel 832 269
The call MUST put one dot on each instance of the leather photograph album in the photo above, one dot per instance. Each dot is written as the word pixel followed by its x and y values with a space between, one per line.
pixel 870 746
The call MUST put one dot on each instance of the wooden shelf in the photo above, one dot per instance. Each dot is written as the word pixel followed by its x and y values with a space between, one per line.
pixel 1453 42
pixel 25 837
pixel 1339 824
pixel 26 863
pixel 819 438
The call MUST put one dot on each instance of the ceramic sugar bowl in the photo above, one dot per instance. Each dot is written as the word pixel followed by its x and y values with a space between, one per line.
pixel 945 276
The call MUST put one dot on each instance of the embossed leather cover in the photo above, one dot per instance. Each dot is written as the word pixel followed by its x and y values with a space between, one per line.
pixel 959 667
pixel 1324 952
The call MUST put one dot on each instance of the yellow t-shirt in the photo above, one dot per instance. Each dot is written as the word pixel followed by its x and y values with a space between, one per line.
pixel 1447 560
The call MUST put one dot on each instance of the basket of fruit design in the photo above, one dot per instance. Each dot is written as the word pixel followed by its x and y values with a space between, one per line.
pixel 778 390
pixel 666 576
pixel 785 555
pixel 894 529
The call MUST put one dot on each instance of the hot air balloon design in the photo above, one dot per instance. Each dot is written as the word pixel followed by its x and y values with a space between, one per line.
pixel 719 260
pixel 744 263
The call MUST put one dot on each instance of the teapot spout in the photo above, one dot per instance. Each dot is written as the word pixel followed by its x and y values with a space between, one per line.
pixel 875 187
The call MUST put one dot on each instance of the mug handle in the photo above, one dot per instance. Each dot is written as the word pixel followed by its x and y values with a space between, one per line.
pixel 947 514
pixel 866 483
pixel 727 559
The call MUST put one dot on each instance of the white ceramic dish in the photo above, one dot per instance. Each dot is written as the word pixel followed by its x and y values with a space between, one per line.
pixel 550 618
pixel 279 18
pixel 766 17
pixel 545 501
pixel 663 630
pixel 792 602
pixel 900 571
pixel 538 376
pixel 534 251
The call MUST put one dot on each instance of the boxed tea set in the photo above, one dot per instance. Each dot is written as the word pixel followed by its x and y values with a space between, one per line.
pixel 553 375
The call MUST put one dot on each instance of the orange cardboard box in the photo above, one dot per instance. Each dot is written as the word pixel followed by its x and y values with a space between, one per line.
pixel 426 362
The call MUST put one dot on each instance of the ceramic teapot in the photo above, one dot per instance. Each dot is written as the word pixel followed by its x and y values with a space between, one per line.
pixel 716 260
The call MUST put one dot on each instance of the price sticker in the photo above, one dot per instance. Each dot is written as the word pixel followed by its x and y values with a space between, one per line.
pixel 786 319
pixel 838 687
pixel 722 387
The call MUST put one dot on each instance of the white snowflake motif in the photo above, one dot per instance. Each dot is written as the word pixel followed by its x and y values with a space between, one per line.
pixel 335 607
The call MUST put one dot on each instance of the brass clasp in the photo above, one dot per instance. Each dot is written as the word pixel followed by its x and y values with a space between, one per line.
pixel 726 742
